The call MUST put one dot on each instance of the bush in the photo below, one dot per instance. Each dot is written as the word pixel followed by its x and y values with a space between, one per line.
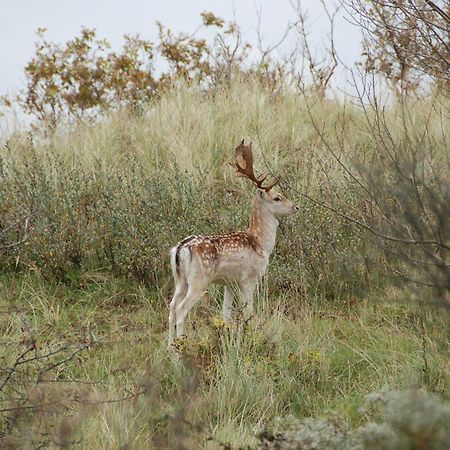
pixel 301 434
pixel 412 419
pixel 406 420
pixel 121 214
pixel 118 220
pixel 84 78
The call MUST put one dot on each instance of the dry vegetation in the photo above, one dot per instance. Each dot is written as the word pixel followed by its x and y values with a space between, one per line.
pixel 349 348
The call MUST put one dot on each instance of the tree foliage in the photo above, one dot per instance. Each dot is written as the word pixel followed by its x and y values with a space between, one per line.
pixel 405 40
pixel 84 77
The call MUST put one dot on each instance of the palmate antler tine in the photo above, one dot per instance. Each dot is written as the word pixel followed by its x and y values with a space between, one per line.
pixel 244 162
pixel 244 166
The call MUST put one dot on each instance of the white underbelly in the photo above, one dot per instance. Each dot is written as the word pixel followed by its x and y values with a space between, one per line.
pixel 240 268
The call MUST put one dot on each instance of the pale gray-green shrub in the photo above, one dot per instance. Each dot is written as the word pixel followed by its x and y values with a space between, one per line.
pixel 414 419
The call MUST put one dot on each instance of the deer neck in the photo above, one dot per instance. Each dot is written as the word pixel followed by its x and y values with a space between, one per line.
pixel 263 225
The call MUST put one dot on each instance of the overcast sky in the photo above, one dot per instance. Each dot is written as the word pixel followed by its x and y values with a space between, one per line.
pixel 112 19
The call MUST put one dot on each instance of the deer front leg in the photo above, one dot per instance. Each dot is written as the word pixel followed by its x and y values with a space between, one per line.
pixel 248 289
pixel 228 297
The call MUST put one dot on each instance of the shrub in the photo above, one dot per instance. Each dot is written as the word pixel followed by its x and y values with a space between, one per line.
pixel 301 434
pixel 84 78
pixel 405 420
pixel 411 419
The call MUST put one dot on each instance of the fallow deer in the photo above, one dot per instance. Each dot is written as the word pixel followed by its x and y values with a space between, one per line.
pixel 238 259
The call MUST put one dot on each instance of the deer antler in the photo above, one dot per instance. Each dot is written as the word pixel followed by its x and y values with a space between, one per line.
pixel 244 165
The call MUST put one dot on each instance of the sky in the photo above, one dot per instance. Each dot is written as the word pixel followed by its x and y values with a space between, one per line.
pixel 112 19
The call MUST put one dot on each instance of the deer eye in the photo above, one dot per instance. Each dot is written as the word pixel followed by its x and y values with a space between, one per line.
pixel 277 199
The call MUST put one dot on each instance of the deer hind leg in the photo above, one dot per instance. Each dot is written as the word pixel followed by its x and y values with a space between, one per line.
pixel 228 298
pixel 194 292
pixel 180 293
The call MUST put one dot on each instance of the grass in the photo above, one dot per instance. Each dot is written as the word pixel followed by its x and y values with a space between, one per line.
pixel 320 362
pixel 92 281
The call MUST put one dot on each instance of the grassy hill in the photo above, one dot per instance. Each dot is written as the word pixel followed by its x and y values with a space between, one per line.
pixel 84 298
